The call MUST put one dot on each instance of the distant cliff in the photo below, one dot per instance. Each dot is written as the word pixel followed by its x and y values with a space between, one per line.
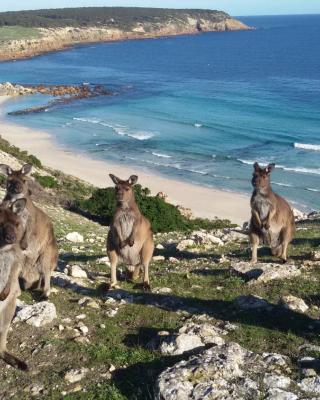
pixel 29 33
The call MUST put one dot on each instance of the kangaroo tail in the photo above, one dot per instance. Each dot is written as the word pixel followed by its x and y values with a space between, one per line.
pixel 14 361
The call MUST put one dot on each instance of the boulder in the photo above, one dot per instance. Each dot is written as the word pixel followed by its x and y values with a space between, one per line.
pixel 185 244
pixel 251 302
pixel 74 237
pixel 227 372
pixel 75 375
pixel 77 272
pixel 37 315
pixel 204 238
pixel 264 272
pixel 190 337
pixel 293 303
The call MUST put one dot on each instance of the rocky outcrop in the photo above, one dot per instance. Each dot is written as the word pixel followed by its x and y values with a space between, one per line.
pixel 53 39
pixel 229 371
pixel 63 94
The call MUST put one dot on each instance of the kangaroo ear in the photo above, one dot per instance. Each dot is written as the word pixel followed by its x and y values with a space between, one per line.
pixel 133 180
pixel 114 179
pixel 5 169
pixel 256 166
pixel 270 168
pixel 18 206
pixel 26 169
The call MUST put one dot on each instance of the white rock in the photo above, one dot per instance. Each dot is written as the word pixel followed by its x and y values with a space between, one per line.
pixel 310 385
pixel 278 394
pixel 293 303
pixel 276 381
pixel 104 260
pixel 251 302
pixel 203 238
pixel 77 272
pixel 162 290
pixel 159 246
pixel 185 244
pixel 37 315
pixel 173 260
pixel 264 272
pixel 181 344
pixel 158 258
pixel 75 375
pixel 74 237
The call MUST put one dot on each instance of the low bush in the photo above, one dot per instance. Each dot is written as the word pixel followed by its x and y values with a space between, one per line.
pixel 46 181
pixel 164 217
pixel 19 154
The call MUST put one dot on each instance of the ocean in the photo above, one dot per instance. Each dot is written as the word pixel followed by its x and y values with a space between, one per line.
pixel 199 108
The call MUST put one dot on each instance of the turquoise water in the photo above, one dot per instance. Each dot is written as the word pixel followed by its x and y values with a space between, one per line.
pixel 199 108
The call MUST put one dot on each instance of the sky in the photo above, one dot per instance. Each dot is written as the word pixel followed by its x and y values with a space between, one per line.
pixel 233 7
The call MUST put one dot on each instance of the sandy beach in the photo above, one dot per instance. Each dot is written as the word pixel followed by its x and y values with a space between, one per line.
pixel 204 202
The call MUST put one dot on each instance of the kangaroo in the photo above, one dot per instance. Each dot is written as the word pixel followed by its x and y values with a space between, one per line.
pixel 11 258
pixel 272 219
pixel 38 242
pixel 130 238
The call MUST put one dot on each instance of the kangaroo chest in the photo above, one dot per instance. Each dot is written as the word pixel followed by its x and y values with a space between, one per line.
pixel 125 221
pixel 262 205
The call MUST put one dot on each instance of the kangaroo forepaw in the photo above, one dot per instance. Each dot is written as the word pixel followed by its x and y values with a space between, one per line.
pixel 146 287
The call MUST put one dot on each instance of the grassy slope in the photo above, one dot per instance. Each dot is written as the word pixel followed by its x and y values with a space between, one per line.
pixel 8 33
pixel 199 284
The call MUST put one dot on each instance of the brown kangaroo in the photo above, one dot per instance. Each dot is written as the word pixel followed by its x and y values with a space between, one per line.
pixel 272 219
pixel 11 258
pixel 38 242
pixel 130 238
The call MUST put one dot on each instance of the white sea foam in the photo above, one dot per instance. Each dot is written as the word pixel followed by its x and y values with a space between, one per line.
pixel 119 129
pixel 312 190
pixel 307 146
pixel 282 184
pixel 303 170
pixel 198 125
pixel 161 155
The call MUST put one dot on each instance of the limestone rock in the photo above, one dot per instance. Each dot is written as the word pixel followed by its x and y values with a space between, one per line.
pixel 75 375
pixel 251 302
pixel 74 237
pixel 37 315
pixel 185 244
pixel 264 272
pixel 204 238
pixel 293 303
pixel 158 258
pixel 190 337
pixel 226 372
pixel 77 272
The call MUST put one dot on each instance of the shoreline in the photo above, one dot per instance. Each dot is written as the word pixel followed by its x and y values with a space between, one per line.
pixel 61 40
pixel 204 202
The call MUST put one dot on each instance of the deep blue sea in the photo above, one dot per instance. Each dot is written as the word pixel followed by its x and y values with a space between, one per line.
pixel 199 108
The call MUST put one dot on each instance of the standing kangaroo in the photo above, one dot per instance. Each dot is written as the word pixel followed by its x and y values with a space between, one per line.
pixel 272 219
pixel 38 242
pixel 11 259
pixel 130 238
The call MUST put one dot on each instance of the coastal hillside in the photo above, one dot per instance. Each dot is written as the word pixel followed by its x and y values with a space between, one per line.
pixel 212 325
pixel 28 33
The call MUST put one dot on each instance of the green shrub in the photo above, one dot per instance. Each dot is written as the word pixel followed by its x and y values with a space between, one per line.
pixel 164 217
pixel 19 154
pixel 46 181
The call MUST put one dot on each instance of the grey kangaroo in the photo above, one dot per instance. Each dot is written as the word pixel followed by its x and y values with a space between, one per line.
pixel 130 238
pixel 272 220
pixel 38 242
pixel 11 258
